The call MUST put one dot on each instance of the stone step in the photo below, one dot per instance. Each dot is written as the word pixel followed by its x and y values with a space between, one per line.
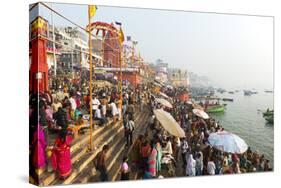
pixel 114 173
pixel 114 165
pixel 77 144
pixel 115 157
pixel 91 175
pixel 80 164
pixel 86 159
pixel 48 177
pixel 82 139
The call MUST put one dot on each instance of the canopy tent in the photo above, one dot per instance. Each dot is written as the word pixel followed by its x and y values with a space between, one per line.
pixel 164 102
pixel 169 123
pixel 227 142
pixel 200 113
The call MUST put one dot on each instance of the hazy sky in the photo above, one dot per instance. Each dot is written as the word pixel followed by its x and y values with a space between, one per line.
pixel 231 50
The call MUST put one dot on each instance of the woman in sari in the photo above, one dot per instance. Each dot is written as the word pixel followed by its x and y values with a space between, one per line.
pixel 144 151
pixel 125 171
pixel 152 161
pixel 39 145
pixel 135 154
pixel 61 159
pixel 159 156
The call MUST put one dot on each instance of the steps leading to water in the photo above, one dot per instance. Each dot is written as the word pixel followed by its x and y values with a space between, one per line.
pixel 86 160
pixel 79 148
pixel 115 154
pixel 82 160
pixel 114 172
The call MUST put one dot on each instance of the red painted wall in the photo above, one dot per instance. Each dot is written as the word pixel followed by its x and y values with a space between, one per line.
pixel 133 77
pixel 111 51
pixel 38 64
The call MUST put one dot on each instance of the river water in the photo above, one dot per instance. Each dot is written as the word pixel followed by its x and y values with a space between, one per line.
pixel 242 117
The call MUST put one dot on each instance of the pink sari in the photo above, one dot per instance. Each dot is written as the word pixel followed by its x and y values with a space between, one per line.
pixel 61 158
pixel 152 162
pixel 39 143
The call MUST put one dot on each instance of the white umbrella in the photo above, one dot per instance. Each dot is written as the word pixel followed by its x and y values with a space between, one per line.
pixel 197 106
pixel 189 102
pixel 164 102
pixel 227 142
pixel 169 123
pixel 200 113
pixel 164 95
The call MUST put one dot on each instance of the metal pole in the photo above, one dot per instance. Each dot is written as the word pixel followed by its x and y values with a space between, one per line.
pixel 72 73
pixel 54 45
pixel 91 80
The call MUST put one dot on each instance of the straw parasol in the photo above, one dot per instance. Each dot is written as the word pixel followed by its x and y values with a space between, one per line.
pixel 164 102
pixel 169 123
pixel 200 113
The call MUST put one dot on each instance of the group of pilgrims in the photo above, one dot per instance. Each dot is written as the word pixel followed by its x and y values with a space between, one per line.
pixel 154 154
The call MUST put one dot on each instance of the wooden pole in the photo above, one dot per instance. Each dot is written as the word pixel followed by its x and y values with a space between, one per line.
pixel 91 84
pixel 121 80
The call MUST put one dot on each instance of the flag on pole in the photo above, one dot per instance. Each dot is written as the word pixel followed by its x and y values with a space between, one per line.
pixel 92 10
pixel 121 35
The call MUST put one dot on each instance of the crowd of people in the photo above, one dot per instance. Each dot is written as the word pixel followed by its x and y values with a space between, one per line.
pixel 192 155
pixel 64 112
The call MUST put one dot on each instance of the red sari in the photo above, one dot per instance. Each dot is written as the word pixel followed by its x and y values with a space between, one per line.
pixel 61 159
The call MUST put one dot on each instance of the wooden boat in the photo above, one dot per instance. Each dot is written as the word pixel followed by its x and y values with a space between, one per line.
pixel 247 92
pixel 215 109
pixel 269 119
pixel 269 116
pixel 227 99
pixel 268 113
pixel 254 92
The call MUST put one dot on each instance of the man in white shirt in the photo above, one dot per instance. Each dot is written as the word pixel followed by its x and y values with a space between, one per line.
pixel 98 114
pixel 211 167
pixel 73 103
pixel 114 110
pixel 168 148
pixel 96 103
pixel 99 117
